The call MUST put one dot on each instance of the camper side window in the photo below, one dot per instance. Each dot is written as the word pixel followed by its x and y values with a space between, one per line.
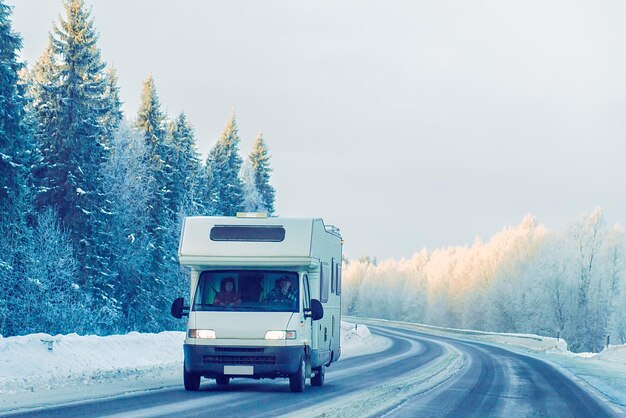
pixel 333 277
pixel 307 293
pixel 338 277
pixel 324 282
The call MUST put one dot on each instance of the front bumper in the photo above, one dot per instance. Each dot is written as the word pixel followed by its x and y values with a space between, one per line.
pixel 209 361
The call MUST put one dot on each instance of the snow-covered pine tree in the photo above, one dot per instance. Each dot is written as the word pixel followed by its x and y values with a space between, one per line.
pixel 69 111
pixel 162 223
pixel 150 118
pixel 48 286
pixel 224 164
pixel 151 123
pixel 203 190
pixel 185 167
pixel 43 96
pixel 12 179
pixel 259 158
pixel 129 188
pixel 113 115
pixel 251 197
pixel 15 152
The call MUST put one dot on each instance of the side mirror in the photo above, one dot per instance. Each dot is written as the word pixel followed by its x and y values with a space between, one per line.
pixel 317 310
pixel 179 309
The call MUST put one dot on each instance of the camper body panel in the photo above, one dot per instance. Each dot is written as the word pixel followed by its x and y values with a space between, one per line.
pixel 325 282
pixel 196 238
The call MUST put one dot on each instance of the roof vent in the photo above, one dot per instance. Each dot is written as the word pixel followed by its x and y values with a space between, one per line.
pixel 252 214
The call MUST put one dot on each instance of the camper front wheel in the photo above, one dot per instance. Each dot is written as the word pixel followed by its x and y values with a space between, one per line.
pixel 298 379
pixel 191 380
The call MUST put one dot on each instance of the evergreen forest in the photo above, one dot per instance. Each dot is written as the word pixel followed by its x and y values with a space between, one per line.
pixel 91 199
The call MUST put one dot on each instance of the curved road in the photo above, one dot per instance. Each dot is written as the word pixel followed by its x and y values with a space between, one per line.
pixel 417 375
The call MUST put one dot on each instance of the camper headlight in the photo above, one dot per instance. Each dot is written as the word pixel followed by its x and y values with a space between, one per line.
pixel 201 333
pixel 280 335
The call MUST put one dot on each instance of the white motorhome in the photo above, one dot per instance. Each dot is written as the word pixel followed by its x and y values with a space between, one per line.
pixel 265 299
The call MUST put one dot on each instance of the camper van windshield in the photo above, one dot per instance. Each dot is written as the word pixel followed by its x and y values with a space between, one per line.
pixel 247 290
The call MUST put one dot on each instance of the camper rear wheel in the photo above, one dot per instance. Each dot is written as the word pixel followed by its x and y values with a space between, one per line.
pixel 191 380
pixel 318 378
pixel 222 380
pixel 297 380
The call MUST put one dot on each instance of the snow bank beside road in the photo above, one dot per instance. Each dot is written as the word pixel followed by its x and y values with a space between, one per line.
pixel 356 340
pixel 39 361
pixel 40 369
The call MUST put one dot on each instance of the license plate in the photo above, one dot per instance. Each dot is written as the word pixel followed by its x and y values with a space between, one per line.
pixel 245 370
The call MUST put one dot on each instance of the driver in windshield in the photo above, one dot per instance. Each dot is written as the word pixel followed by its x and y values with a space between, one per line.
pixel 282 293
pixel 227 295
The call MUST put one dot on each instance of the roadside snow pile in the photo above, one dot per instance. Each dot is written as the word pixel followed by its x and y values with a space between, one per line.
pixel 356 340
pixel 41 361
pixel 605 371
pixel 530 342
pixel 615 354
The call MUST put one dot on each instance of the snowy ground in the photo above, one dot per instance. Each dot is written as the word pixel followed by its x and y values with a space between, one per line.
pixel 40 369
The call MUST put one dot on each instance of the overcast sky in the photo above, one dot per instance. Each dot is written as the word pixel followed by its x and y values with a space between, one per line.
pixel 408 124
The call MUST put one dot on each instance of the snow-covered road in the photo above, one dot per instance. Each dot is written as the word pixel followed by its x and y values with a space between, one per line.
pixel 415 374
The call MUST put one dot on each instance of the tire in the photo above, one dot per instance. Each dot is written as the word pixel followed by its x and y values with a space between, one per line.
pixel 297 381
pixel 191 380
pixel 222 380
pixel 318 378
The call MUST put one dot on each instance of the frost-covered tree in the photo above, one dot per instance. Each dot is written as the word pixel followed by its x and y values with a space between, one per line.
pixel 44 98
pixel 13 135
pixel 69 108
pixel 525 279
pixel 224 164
pixel 163 222
pixel 113 115
pixel 259 159
pixel 615 256
pixel 251 197
pixel 16 157
pixel 150 118
pixel 203 193
pixel 587 237
pixel 151 123
pixel 185 167
pixel 49 284
pixel 129 188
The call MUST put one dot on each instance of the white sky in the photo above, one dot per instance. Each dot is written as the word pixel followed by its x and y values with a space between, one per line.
pixel 407 124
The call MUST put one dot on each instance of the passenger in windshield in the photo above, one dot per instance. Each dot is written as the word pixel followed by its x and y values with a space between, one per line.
pixel 227 296
pixel 282 293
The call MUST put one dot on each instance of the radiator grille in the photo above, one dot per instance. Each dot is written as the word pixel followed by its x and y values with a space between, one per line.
pixel 234 360
pixel 239 349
